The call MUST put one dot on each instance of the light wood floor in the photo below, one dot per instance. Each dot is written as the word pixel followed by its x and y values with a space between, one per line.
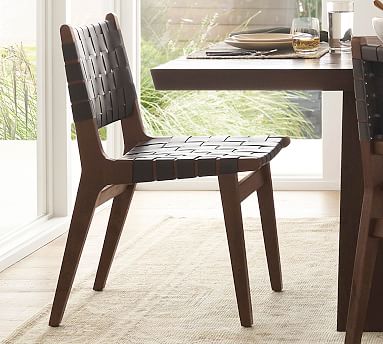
pixel 29 285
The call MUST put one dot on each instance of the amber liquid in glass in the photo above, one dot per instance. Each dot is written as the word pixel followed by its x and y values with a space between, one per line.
pixel 306 43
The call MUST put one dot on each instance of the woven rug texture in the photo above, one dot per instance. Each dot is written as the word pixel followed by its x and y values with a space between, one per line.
pixel 173 285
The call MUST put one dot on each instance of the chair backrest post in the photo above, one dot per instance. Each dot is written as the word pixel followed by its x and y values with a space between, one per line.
pixel 133 129
pixel 89 144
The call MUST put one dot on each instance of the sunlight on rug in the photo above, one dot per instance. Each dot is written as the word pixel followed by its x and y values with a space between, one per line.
pixel 174 286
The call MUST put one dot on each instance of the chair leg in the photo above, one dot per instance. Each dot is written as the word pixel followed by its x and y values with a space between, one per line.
pixel 81 219
pixel 231 204
pixel 269 228
pixel 116 222
pixel 364 266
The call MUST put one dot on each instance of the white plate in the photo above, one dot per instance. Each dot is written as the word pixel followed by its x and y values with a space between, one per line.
pixel 259 45
pixel 263 37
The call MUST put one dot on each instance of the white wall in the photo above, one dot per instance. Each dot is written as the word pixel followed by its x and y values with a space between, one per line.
pixel 18 18
pixel 81 15
pixel 17 22
pixel 364 12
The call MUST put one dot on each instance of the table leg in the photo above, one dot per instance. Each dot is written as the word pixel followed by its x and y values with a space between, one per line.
pixel 350 206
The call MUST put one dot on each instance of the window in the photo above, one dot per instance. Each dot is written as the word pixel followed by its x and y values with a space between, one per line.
pixel 173 28
pixel 22 197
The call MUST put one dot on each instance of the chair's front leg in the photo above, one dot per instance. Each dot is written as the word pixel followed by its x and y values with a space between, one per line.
pixel 269 228
pixel 231 204
pixel 81 219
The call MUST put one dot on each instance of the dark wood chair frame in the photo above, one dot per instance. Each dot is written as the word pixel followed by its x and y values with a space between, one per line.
pixel 368 75
pixel 104 178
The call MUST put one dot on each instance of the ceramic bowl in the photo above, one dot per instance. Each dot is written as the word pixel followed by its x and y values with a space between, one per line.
pixel 377 23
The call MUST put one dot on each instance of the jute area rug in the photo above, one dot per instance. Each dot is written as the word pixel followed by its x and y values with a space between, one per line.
pixel 173 285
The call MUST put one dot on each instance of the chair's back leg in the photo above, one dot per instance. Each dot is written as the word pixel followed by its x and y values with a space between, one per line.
pixel 364 267
pixel 269 228
pixel 81 219
pixel 231 204
pixel 117 218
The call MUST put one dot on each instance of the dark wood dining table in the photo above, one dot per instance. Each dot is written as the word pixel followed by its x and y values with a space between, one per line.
pixel 332 72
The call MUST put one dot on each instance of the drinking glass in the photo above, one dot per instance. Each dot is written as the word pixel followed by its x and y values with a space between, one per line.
pixel 340 20
pixel 306 35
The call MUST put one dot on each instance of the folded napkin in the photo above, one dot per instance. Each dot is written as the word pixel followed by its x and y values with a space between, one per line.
pixel 231 51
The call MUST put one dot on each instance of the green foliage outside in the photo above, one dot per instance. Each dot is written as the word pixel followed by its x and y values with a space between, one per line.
pixel 210 113
pixel 18 93
pixel 310 8
pixel 165 113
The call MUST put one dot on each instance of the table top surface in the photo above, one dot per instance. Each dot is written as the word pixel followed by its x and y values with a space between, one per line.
pixel 332 72
pixel 329 61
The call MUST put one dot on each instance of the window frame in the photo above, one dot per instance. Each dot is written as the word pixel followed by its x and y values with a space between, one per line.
pixel 52 152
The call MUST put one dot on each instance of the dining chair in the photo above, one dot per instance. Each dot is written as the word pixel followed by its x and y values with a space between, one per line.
pixel 101 90
pixel 368 80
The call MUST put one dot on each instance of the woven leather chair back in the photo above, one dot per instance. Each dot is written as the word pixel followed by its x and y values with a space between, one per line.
pixel 368 76
pixel 98 73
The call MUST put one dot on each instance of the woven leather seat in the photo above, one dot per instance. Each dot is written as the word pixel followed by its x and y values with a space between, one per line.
pixel 102 92
pixel 188 157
